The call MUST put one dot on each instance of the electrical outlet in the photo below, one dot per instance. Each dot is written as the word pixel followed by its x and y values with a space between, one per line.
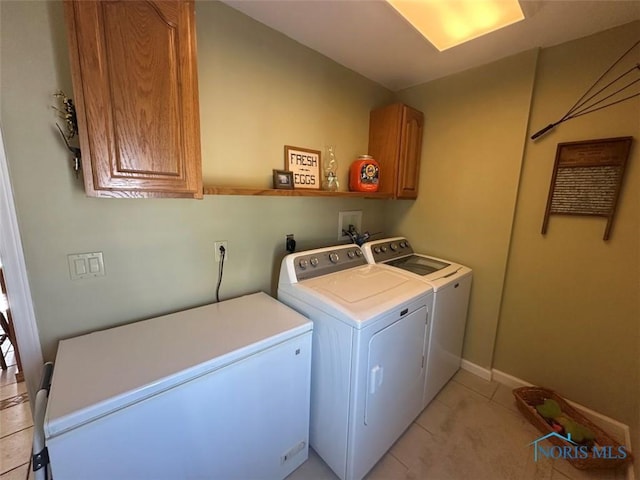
pixel 345 219
pixel 222 243
pixel 290 243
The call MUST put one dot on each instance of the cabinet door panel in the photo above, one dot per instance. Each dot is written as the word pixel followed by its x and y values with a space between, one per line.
pixel 135 83
pixel 410 153
pixel 385 127
pixel 395 141
pixel 144 105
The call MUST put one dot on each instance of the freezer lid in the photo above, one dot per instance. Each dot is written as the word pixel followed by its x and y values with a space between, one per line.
pixel 101 372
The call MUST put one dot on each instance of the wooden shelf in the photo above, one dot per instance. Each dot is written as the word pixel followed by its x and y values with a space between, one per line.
pixel 291 193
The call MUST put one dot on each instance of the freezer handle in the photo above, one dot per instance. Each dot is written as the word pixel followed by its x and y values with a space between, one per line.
pixel 40 453
pixel 47 373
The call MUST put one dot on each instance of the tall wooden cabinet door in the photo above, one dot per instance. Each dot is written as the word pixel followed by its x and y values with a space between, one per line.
pixel 395 141
pixel 385 128
pixel 410 153
pixel 136 92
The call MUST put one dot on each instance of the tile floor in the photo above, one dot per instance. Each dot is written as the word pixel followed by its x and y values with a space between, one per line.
pixel 471 430
pixel 16 424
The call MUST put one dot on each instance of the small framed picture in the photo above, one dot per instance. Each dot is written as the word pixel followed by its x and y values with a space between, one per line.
pixel 282 179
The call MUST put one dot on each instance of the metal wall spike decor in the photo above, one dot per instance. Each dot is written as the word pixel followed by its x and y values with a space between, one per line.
pixel 620 82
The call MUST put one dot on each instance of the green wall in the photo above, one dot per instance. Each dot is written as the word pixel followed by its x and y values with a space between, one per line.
pixel 475 124
pixel 560 310
pixel 159 253
pixel 260 91
pixel 570 318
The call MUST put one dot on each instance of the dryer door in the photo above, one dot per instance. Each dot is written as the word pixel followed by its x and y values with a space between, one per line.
pixel 395 383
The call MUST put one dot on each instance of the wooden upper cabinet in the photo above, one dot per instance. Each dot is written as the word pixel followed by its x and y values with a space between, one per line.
pixel 135 84
pixel 395 141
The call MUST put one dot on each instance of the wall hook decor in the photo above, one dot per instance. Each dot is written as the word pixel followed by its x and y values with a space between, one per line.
pixel 68 113
pixel 612 87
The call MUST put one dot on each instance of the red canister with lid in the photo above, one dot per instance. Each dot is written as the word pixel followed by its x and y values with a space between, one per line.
pixel 364 174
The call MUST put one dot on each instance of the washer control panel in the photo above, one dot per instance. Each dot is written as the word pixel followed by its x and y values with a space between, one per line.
pixel 323 261
pixel 388 249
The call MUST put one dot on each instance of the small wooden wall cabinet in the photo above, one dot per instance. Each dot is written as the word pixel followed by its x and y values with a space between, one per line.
pixel 395 141
pixel 135 86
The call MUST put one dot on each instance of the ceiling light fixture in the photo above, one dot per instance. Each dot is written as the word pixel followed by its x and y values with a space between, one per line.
pixel 447 23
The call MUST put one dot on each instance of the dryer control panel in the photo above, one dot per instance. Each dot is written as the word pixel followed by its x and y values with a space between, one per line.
pixel 387 249
pixel 322 261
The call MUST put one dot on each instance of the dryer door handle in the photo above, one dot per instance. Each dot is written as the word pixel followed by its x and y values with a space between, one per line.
pixel 376 376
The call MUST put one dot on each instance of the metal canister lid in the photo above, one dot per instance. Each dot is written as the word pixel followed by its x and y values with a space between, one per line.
pixel 365 157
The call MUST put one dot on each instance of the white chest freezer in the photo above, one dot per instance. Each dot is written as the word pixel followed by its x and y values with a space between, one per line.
pixel 215 392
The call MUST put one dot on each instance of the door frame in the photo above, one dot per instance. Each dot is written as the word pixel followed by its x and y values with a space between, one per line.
pixel 17 281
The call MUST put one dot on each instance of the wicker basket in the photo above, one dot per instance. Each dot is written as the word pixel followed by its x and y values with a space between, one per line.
pixel 528 397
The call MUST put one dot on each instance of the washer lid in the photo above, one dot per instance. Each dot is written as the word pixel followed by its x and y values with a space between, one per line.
pixel 101 372
pixel 419 264
pixel 431 269
pixel 362 294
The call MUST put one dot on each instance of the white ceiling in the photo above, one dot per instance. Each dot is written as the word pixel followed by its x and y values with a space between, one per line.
pixel 371 38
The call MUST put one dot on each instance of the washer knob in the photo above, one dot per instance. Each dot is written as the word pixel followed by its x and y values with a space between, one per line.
pixel 313 261
pixel 333 257
pixel 351 254
pixel 303 264
pixel 393 247
pixel 358 253
pixel 403 244
pixel 383 248
pixel 376 249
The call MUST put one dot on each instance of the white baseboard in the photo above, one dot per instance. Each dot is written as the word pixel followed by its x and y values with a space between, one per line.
pixel 618 430
pixel 481 372
pixel 508 380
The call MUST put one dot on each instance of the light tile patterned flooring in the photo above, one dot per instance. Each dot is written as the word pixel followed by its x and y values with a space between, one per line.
pixel 16 424
pixel 471 430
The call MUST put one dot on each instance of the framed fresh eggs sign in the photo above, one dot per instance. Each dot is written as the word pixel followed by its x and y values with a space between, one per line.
pixel 304 164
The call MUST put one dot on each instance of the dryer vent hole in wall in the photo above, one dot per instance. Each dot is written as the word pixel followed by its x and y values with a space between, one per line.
pixel 288 455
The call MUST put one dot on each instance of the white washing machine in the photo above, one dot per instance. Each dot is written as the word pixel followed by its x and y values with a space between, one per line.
pixel 370 327
pixel 451 284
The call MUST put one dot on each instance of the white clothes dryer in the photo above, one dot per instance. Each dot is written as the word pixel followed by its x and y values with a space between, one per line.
pixel 370 327
pixel 451 284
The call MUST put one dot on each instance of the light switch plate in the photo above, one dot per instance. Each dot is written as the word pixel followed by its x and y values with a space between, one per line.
pixel 86 265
